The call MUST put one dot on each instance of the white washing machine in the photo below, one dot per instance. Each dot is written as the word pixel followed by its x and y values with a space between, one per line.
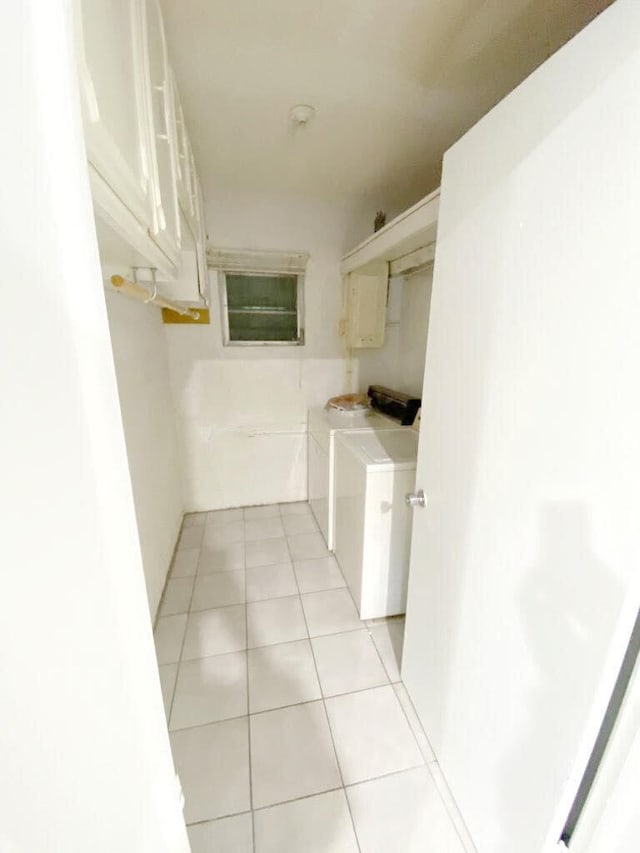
pixel 374 472
pixel 324 425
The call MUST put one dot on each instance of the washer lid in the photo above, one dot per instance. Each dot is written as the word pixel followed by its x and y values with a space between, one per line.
pixel 395 449
pixel 330 421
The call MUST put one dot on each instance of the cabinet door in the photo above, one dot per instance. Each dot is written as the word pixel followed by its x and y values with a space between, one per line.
pixel 193 186
pixel 197 221
pixel 162 129
pixel 185 287
pixel 111 72
pixel 193 277
pixel 367 306
pixel 184 167
pixel 201 241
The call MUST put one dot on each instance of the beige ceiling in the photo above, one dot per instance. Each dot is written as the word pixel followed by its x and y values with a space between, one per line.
pixel 394 84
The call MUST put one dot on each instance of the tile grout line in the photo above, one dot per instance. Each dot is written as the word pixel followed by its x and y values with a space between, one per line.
pixel 267 645
pixel 246 656
pixel 290 704
pixel 154 622
pixel 384 666
pixel 272 598
pixel 406 716
pixel 326 714
pixel 391 683
pixel 453 812
pixel 388 775
pixel 368 629
pixel 248 568
pixel 425 763
pixel 179 662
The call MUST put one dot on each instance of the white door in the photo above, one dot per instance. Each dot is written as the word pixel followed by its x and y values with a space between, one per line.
pixel 525 562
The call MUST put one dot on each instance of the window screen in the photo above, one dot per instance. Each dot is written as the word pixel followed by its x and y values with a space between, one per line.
pixel 263 308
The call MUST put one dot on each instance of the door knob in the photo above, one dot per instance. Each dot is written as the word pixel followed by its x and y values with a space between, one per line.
pixel 416 498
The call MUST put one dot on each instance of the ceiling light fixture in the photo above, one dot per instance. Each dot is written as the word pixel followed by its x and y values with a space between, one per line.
pixel 301 114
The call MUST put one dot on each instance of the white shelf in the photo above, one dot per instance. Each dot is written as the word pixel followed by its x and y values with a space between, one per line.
pixel 411 230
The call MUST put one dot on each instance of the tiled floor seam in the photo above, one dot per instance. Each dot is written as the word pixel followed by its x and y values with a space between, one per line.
pixel 269 645
pixel 396 695
pixel 246 656
pixel 168 578
pixel 326 714
pixel 385 775
pixel 406 716
pixel 452 810
pixel 179 662
pixel 261 566
pixel 332 790
pixel 317 794
pixel 322 698
pixel 220 817
pixel 299 595
pixel 384 666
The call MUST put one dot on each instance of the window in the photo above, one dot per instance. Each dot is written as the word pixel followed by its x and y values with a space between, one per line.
pixel 262 308
pixel 263 303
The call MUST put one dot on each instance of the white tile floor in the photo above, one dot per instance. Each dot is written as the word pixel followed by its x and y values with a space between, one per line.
pixel 291 730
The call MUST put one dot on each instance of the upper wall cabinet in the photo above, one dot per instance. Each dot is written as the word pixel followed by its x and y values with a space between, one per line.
pixel 183 150
pixel 407 243
pixel 143 177
pixel 367 306
pixel 112 80
pixel 200 235
pixel 162 130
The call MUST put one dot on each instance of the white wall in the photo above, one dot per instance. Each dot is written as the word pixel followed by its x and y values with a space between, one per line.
pixel 86 763
pixel 148 417
pixel 399 364
pixel 242 411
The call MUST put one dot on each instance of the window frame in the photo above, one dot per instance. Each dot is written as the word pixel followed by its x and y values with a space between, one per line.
pixel 264 273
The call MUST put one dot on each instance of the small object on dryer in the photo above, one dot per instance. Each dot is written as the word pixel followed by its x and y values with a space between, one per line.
pixel 349 402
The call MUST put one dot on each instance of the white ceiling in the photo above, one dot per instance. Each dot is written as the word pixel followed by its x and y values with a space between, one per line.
pixel 394 83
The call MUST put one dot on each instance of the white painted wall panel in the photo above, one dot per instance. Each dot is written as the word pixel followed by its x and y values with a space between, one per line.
pixel 399 364
pixel 86 762
pixel 242 412
pixel 148 417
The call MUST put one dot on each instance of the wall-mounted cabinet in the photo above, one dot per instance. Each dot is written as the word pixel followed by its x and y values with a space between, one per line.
pixel 143 178
pixel 366 306
pixel 406 244
pixel 160 116
pixel 111 76
pixel 184 156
